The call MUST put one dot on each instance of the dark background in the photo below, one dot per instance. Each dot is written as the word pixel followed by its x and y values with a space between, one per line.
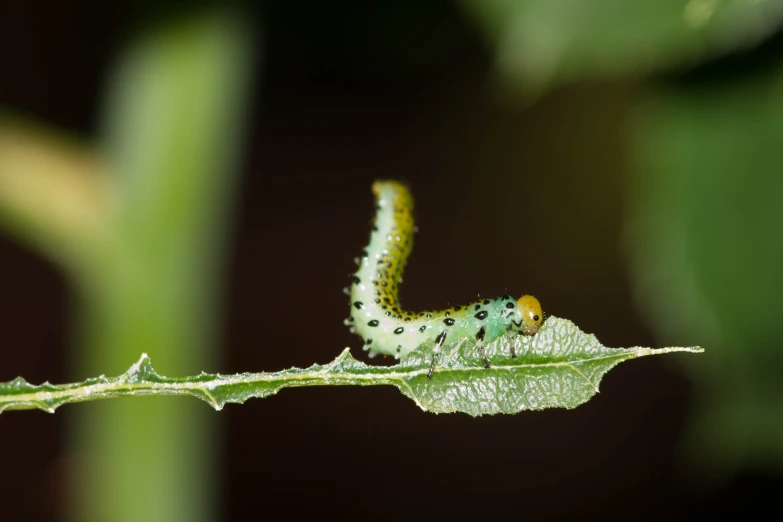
pixel 519 200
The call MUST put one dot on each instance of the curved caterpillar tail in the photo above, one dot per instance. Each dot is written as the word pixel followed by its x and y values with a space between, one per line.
pixel 376 314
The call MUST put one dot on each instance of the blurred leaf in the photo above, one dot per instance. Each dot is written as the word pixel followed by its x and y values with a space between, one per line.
pixel 539 43
pixel 705 236
pixel 173 122
pixel 560 367
pixel 54 194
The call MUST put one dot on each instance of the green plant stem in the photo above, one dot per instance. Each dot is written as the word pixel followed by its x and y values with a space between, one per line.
pixel 172 127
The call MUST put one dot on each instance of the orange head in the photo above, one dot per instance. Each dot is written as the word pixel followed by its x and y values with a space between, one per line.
pixel 532 315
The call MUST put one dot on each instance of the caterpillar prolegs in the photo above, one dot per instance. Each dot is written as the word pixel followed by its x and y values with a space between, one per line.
pixel 386 328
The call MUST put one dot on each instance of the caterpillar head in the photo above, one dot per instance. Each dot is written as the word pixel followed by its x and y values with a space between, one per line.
pixel 532 315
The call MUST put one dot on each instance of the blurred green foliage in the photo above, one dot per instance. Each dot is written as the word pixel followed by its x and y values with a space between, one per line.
pixel 140 225
pixel 172 128
pixel 705 218
pixel 542 43
pixel 705 222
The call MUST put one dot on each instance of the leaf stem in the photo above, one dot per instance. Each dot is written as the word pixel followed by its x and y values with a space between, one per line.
pixel 218 390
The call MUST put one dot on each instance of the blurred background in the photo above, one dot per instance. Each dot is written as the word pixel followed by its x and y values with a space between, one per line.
pixel 193 180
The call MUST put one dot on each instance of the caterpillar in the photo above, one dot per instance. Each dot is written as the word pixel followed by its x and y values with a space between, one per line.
pixel 376 314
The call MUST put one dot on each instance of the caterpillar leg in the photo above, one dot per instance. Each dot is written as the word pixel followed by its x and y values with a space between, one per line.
pixel 480 345
pixel 370 352
pixel 435 352
pixel 510 332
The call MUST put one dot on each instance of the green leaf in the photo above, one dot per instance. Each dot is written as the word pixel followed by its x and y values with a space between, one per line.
pixel 539 43
pixel 560 367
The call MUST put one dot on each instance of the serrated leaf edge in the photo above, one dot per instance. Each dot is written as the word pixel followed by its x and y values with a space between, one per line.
pixel 133 383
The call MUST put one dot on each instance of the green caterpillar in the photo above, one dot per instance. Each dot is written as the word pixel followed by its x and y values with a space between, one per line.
pixel 375 309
